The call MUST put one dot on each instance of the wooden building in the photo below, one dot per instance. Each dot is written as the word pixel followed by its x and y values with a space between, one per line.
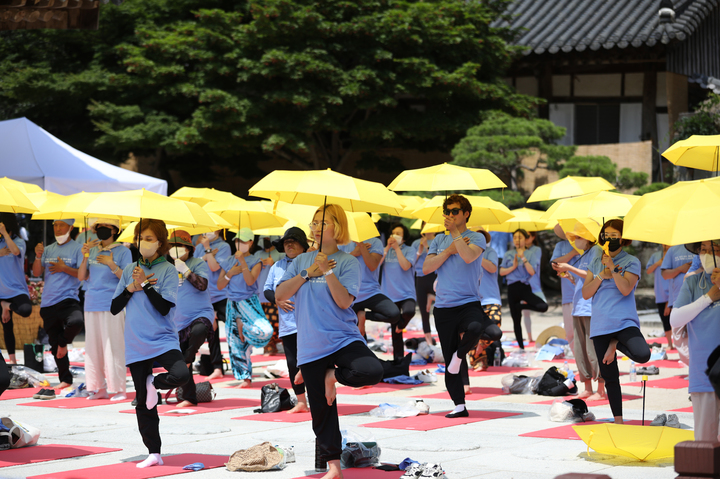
pixel 56 14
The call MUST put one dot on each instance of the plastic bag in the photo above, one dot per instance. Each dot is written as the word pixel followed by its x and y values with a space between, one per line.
pixel 570 410
pixel 393 410
pixel 279 369
pixel 76 355
pixel 353 434
pixel 517 359
pixel 49 365
pixel 32 377
pixel 360 454
pixel 19 434
pixel 519 384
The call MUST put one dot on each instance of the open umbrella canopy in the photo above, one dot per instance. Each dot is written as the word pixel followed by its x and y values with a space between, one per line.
pixel 432 228
pixel 484 211
pixel 201 196
pixel 318 187
pixel 593 205
pixel 242 213
pixel 699 151
pixel 41 197
pixel 13 200
pixel 128 234
pixel 68 207
pixel 410 204
pixel 20 185
pixel 524 218
pixel 570 186
pixel 643 443
pixel 682 213
pixel 446 177
pixel 361 227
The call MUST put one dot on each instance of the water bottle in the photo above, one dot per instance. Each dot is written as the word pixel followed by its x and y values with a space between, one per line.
pixel 497 361
pixel 633 372
pixel 566 368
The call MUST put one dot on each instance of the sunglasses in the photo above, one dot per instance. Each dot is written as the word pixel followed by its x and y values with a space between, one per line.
pixel 454 211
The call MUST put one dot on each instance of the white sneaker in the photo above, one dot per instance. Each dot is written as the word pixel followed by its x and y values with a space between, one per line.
pixel 413 471
pixel 426 376
pixel 420 405
pixel 434 471
pixel 659 420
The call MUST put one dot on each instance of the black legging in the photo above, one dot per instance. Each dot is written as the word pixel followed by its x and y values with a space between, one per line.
pixel 197 336
pixel 356 366
pixel 214 343
pixel 4 375
pixel 665 319
pixel 290 345
pixel 424 287
pixel 21 305
pixel 407 311
pixel 518 292
pixel 62 322
pixel 631 343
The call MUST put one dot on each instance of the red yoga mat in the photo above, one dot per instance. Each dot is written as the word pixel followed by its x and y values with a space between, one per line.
pixel 603 402
pixel 492 370
pixel 19 393
pixel 205 407
pixel 128 470
pixel 266 359
pixel 675 382
pixel 662 340
pixel 567 432
pixel 282 382
pixel 379 388
pixel 76 403
pixel 477 394
pixel 283 416
pixel 683 409
pixel 362 473
pixel 438 420
pixel 47 452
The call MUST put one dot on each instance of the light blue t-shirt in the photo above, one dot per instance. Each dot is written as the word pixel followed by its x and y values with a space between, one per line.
pixel 323 327
pixel 222 255
pixel 489 286
pixel 420 259
pixel 696 264
pixel 611 311
pixel 676 256
pixel 370 284
pixel 193 303
pixel 398 284
pixel 83 238
pixel 12 274
pixel 567 288
pixel 534 256
pixel 102 283
pixel 520 274
pixel 262 277
pixel 703 331
pixel 237 289
pixel 661 285
pixel 60 286
pixel 148 334
pixel 455 276
pixel 581 306
pixel 288 324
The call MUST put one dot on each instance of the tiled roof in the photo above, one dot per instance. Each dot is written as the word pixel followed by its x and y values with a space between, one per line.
pixel 552 26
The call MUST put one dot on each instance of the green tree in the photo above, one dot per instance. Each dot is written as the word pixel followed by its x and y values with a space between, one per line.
pixel 705 120
pixel 651 188
pixel 604 167
pixel 502 141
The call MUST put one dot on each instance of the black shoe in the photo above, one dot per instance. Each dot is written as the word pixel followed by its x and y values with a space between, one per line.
pixel 463 413
pixel 134 403
pixel 39 393
pixel 47 394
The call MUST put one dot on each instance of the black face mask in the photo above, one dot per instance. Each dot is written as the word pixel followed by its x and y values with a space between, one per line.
pixel 103 232
pixel 614 244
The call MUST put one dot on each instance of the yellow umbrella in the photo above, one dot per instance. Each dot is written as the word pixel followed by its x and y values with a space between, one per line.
pixel 41 197
pixel 128 234
pixel 446 177
pixel 643 443
pixel 523 218
pixel 65 207
pixel 12 200
pixel 432 228
pixel 682 213
pixel 593 205
pixel 417 225
pixel 20 185
pixel 485 211
pixel 361 226
pixel 201 196
pixel 318 187
pixel 297 215
pixel 570 186
pixel 410 204
pixel 242 213
pixel 698 151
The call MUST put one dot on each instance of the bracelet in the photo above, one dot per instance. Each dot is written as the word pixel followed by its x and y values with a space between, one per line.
pixel 457 237
pixel 226 277
pixel 116 270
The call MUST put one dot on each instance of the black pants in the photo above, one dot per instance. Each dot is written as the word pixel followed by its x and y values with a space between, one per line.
pixel 407 311
pixel 290 344
pixel 355 365
pixel 518 292
pixel 4 375
pixel 214 343
pixel 21 305
pixel 189 347
pixel 423 288
pixel 665 319
pixel 631 343
pixel 471 320
pixel 62 322
pixel 177 375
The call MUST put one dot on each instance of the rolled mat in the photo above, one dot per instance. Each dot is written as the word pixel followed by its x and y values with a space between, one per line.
pixel 439 421
pixel 47 452
pixel 128 470
pixel 283 416
pixel 203 407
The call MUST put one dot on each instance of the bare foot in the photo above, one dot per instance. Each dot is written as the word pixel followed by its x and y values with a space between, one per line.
pixel 298 378
pixel 610 353
pixel 5 311
pixel 585 394
pixel 619 420
pixel 63 385
pixel 245 383
pixel 186 404
pixel 299 407
pixel 467 390
pixel 334 471
pixel 12 359
pixel 596 397
pixel 330 393
pixel 216 374
pixel 61 351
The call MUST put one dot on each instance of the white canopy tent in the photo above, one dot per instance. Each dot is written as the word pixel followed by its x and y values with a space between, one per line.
pixel 30 154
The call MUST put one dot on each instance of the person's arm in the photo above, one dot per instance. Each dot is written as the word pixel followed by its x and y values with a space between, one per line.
pixel 14 248
pixel 528 267
pixel 566 257
pixel 625 283
pixel 270 295
pixel 680 316
pixel 372 260
pixel 82 271
pixel 651 268
pixel 591 284
pixel 119 302
pixel 562 267
pixel 251 275
pixel 672 273
pixel 38 262
pixel 339 293
pixel 162 305
pixel 468 252
pixel 489 266
pixel 402 260
pixel 197 281
pixel 223 279
pixel 506 271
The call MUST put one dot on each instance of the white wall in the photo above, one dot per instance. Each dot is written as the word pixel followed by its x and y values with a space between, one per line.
pixel 563 114
pixel 630 122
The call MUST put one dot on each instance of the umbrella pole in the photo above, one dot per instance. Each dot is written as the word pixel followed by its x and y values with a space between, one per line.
pixel 644 388
pixel 176 247
pixel 322 225
pixel 137 241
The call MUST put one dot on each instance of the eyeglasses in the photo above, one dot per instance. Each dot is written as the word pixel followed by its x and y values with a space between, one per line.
pixel 610 236
pixel 316 224
pixel 454 211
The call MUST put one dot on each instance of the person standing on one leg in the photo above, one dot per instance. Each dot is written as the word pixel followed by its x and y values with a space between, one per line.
pixel 484 352
pixel 519 269
pixel 60 306
pixel 13 287
pixel 459 316
pixel 424 282
pixel 194 313
pixel 332 348
pixel 565 253
pixel 148 290
pixel 611 282
pixel 293 243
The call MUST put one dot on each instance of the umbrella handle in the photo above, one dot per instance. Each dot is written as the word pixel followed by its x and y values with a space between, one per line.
pixel 322 225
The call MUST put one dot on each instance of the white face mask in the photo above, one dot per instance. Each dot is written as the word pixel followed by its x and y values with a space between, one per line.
pixel 62 239
pixel 210 236
pixel 147 249
pixel 178 252
pixel 242 247
pixel 708 263
pixel 398 238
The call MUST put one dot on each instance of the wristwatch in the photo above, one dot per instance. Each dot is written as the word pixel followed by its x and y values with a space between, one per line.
pixel 208 251
pixel 304 275
pixel 617 269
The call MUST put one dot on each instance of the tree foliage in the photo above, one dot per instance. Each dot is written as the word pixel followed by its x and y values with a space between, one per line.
pixel 651 188
pixel 604 167
pixel 705 120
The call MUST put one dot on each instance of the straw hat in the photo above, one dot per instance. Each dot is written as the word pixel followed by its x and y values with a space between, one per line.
pixel 260 457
